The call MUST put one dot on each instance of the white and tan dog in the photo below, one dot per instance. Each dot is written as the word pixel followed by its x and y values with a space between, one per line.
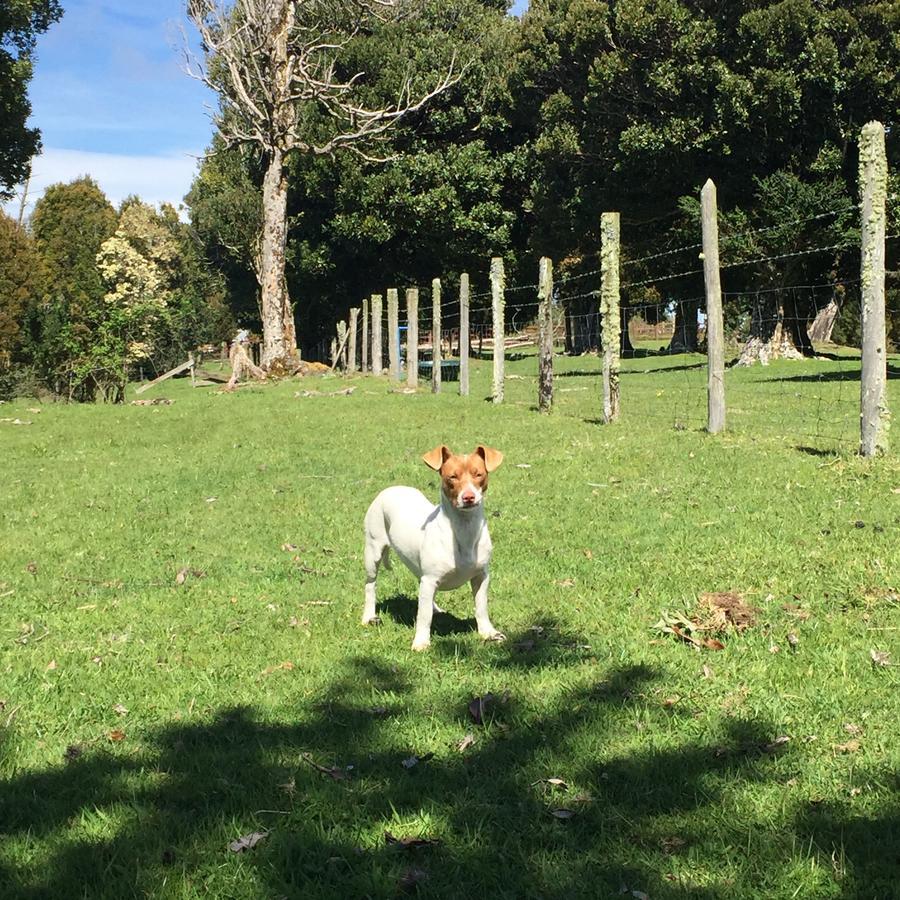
pixel 444 546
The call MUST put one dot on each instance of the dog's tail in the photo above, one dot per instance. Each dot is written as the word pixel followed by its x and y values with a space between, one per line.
pixel 386 558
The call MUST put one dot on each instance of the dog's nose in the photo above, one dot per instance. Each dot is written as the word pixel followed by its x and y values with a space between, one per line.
pixel 468 496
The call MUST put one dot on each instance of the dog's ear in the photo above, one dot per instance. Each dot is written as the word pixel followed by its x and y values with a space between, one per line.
pixel 492 458
pixel 434 459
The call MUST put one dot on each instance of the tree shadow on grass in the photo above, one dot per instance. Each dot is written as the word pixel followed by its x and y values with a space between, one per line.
pixel 160 819
pixel 402 609
pixel 841 374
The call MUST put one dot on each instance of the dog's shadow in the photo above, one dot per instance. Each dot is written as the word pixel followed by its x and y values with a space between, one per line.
pixel 402 609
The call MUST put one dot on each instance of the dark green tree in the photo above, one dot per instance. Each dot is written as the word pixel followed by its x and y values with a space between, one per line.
pixel 70 223
pixel 21 21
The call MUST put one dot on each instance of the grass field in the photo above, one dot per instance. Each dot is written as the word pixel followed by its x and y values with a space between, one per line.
pixel 145 724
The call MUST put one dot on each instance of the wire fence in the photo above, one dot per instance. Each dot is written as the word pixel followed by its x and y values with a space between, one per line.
pixel 793 350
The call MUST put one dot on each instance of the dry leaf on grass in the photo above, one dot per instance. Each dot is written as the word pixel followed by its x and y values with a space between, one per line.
pixel 465 743
pixel 121 710
pixel 412 761
pixel 481 708
pixel 776 745
pixel 562 813
pixel 793 640
pixel 852 728
pixel 183 574
pixel 116 735
pixel 285 666
pixel 333 772
pixel 409 843
pixel 852 746
pixel 289 548
pixel 31 568
pixel 672 844
pixel 247 841
pixel 880 657
pixel 724 610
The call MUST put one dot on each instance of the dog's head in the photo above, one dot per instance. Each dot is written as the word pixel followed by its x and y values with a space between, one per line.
pixel 464 477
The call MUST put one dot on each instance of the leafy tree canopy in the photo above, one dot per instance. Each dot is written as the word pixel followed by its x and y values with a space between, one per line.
pixel 21 21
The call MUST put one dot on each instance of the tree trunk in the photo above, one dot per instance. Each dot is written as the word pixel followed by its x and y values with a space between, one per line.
pixel 626 348
pixel 582 326
pixel 279 337
pixel 770 336
pixel 819 330
pixel 684 339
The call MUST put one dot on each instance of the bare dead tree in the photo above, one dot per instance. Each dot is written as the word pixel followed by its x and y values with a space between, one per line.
pixel 275 66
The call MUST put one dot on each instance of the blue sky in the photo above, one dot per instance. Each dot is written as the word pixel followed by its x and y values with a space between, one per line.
pixel 111 100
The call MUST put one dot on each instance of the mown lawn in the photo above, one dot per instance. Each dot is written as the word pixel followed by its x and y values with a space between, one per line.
pixel 146 724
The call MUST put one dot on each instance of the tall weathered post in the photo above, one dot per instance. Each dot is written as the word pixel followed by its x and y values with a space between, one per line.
pixel 609 312
pixel 874 417
pixel 464 334
pixel 715 329
pixel 354 324
pixel 436 336
pixel 393 322
pixel 342 345
pixel 377 367
pixel 412 337
pixel 545 335
pixel 498 308
pixel 365 335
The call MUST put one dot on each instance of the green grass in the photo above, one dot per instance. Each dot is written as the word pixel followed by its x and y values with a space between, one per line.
pixel 597 532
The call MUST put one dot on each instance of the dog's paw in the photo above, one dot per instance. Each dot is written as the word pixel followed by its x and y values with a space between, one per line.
pixel 375 620
pixel 496 636
pixel 421 646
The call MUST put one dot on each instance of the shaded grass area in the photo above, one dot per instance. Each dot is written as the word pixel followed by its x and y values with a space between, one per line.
pixel 235 681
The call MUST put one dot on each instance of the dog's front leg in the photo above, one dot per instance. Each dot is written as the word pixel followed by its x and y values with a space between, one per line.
pixel 480 592
pixel 427 590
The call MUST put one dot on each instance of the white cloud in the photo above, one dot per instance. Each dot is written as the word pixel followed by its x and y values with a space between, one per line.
pixel 155 179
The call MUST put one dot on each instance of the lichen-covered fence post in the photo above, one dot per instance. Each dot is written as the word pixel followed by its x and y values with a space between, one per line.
pixel 412 337
pixel 874 418
pixel 609 313
pixel 354 323
pixel 341 359
pixel 545 335
pixel 377 366
pixel 436 336
pixel 715 329
pixel 365 335
pixel 464 334
pixel 498 304
pixel 393 317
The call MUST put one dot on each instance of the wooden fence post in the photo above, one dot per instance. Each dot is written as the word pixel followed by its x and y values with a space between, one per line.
pixel 436 336
pixel 609 310
pixel 365 336
pixel 545 335
pixel 377 366
pixel 498 304
pixel 715 329
pixel 874 417
pixel 464 334
pixel 412 337
pixel 393 315
pixel 354 322
pixel 333 352
pixel 342 345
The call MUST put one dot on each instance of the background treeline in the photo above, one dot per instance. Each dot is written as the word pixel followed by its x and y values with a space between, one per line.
pixel 90 294
pixel 578 107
